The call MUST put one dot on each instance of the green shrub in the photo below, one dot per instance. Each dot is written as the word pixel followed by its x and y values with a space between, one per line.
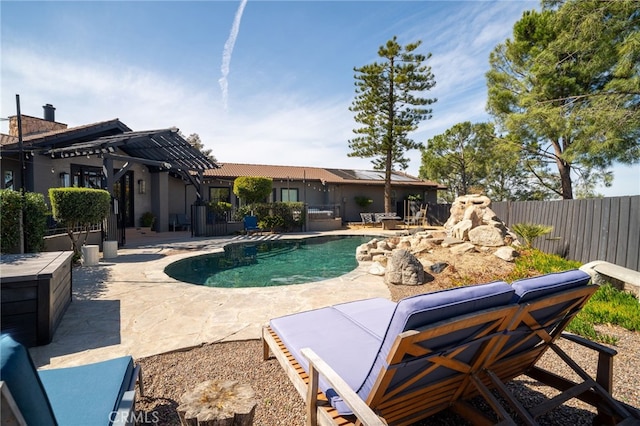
pixel 362 201
pixel 35 221
pixel 532 262
pixel 530 231
pixel 220 209
pixel 607 306
pixel 612 306
pixel 272 223
pixel 147 220
pixel 10 211
pixel 290 213
pixel 251 189
pixel 79 208
pixel 241 212
pixel 36 212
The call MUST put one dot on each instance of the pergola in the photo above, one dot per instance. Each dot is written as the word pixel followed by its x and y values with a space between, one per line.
pixel 160 150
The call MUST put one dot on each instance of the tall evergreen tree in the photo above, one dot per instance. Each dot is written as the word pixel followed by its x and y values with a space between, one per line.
pixel 567 89
pixel 388 104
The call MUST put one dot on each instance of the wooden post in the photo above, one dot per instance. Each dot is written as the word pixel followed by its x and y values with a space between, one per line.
pixel 215 403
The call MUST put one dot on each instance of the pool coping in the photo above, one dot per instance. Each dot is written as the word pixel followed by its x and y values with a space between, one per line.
pixel 129 306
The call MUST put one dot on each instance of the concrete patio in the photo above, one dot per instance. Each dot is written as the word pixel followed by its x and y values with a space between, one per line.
pixel 128 305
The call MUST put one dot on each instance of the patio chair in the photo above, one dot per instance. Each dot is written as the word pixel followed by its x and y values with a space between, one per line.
pixel 381 362
pixel 179 222
pixel 548 304
pixel 93 394
pixel 367 218
pixel 420 218
pixel 251 225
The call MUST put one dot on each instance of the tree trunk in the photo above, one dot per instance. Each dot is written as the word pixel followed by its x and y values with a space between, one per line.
pixel 387 184
pixel 565 180
pixel 564 169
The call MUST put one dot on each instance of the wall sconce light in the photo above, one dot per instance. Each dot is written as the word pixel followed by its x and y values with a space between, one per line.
pixel 64 180
pixel 142 186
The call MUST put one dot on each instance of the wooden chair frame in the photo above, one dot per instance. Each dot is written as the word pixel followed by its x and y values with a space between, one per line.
pixel 397 402
pixel 507 363
pixel 495 362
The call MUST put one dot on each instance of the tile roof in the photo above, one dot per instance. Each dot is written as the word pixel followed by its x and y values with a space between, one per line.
pixel 7 139
pixel 233 170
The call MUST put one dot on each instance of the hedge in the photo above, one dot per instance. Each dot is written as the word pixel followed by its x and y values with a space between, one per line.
pixel 35 221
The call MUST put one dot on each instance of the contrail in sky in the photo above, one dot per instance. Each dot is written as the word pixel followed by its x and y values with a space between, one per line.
pixel 226 53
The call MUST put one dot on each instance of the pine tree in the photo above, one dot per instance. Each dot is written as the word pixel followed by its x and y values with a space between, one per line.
pixel 388 105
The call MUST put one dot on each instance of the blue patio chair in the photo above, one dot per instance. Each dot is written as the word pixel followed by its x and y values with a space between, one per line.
pixel 102 393
pixel 251 224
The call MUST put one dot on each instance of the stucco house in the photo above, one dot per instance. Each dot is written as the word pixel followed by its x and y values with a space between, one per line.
pixel 158 171
pixel 323 188
pixel 145 171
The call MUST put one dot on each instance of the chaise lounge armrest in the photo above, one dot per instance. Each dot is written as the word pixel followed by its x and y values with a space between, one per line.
pixel 318 367
pixel 604 377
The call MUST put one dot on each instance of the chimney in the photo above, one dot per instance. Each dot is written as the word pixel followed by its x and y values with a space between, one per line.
pixel 49 113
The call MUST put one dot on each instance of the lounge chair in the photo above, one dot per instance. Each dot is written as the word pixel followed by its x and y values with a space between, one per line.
pixel 407 361
pixel 548 304
pixel 102 393
pixel 401 361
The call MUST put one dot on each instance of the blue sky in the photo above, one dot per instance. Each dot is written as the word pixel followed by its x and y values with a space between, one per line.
pixel 289 69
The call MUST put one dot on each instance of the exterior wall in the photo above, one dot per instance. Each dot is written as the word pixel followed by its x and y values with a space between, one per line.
pixel 160 200
pixel 178 200
pixel 350 211
pixel 141 202
pixel 43 173
pixel 314 193
pixel 62 242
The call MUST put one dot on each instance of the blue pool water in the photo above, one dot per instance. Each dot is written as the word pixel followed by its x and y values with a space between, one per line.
pixel 271 263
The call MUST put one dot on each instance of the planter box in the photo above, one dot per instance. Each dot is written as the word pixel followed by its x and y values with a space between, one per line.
pixel 36 291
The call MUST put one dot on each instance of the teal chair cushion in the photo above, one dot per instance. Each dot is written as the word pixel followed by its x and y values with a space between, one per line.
pixel 20 375
pixel 88 394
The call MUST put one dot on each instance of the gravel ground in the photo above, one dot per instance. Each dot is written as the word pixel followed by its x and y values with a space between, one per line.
pixel 168 376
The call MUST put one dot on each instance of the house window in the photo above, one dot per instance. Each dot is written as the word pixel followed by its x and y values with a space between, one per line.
pixel 217 195
pixel 289 195
pixel 8 179
pixel 86 176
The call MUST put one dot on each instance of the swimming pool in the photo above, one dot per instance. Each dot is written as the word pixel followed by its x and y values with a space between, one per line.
pixel 271 263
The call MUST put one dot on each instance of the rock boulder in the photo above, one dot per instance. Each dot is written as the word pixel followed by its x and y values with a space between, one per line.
pixel 403 268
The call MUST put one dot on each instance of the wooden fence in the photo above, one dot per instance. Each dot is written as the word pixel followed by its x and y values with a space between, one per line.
pixel 583 230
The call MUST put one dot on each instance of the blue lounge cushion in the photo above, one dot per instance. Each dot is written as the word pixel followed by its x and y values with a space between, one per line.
pixel 529 290
pixel 534 288
pixel 88 394
pixel 425 309
pixel 355 338
pixel 20 375
pixel 347 336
